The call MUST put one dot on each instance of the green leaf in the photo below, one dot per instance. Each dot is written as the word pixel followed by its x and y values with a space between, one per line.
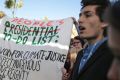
pixel 9 3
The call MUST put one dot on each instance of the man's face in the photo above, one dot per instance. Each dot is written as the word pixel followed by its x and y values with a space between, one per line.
pixel 90 24
pixel 77 43
pixel 114 44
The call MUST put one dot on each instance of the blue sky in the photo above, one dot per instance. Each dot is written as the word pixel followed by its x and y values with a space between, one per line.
pixel 53 9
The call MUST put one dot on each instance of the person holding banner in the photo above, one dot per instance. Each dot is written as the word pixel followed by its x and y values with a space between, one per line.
pixel 76 45
pixel 112 16
pixel 94 60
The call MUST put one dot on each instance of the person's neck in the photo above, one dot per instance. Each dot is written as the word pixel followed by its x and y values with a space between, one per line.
pixel 94 40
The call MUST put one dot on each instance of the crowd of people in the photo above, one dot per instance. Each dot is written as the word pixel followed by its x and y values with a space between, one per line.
pixel 99 28
pixel 95 53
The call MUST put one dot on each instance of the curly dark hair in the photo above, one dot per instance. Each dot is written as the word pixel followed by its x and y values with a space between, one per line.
pixel 102 5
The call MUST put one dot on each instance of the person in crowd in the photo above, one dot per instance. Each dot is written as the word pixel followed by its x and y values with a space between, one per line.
pixel 112 16
pixel 76 45
pixel 93 62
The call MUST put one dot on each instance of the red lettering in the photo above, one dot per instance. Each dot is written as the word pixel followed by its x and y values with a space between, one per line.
pixel 50 23
pixel 61 22
pixel 36 23
pixel 42 24
pixel 20 21
pixel 14 19
pixel 28 22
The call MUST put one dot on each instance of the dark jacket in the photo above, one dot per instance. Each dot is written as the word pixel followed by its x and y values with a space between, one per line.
pixel 96 67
